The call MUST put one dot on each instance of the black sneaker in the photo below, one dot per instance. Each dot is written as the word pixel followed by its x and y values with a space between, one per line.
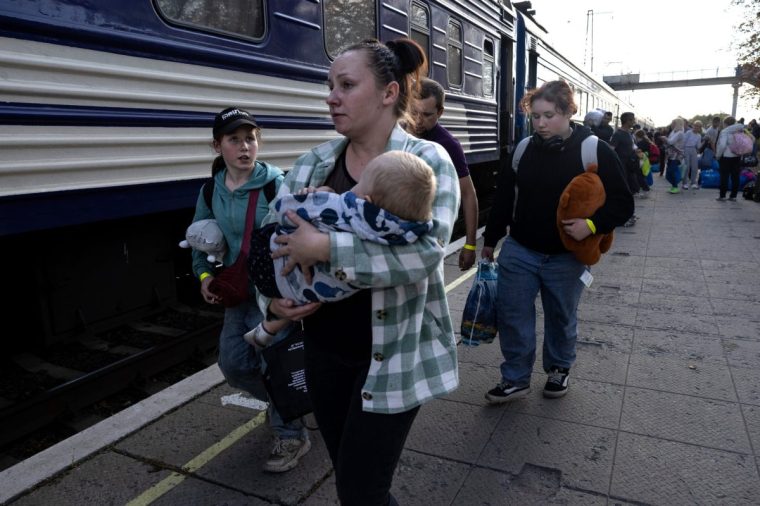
pixel 506 392
pixel 556 384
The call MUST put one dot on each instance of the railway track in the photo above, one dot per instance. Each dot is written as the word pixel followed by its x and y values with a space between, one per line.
pixel 39 390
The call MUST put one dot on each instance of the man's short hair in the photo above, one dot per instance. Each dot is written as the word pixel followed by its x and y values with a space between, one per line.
pixel 431 88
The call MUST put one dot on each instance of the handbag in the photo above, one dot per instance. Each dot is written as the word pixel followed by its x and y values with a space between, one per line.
pixel 748 161
pixel 479 323
pixel 285 376
pixel 231 283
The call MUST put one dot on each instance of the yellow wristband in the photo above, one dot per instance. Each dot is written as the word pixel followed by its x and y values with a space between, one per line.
pixel 204 276
pixel 591 225
pixel 470 247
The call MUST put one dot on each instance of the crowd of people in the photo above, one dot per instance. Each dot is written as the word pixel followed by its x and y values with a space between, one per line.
pixel 325 260
pixel 678 152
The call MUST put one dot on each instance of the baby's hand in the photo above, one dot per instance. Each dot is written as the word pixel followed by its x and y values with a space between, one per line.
pixel 312 189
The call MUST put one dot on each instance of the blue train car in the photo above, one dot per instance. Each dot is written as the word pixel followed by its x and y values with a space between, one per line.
pixel 106 110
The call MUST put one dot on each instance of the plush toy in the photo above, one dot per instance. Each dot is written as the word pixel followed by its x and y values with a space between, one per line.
pixel 207 237
pixel 580 199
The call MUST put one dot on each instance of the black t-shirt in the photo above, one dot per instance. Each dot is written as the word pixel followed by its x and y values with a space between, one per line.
pixel 344 326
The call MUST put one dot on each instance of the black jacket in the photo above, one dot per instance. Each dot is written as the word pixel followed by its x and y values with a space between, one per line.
pixel 541 178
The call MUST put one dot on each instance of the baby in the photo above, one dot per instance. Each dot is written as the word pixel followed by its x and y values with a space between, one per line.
pixel 391 204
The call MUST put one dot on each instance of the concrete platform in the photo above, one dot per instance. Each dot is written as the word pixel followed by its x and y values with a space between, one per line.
pixel 663 407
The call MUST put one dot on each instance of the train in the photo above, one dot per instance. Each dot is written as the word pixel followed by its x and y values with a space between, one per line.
pixel 106 109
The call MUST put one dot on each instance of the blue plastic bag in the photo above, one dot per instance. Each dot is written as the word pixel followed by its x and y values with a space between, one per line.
pixel 710 178
pixel 706 159
pixel 479 315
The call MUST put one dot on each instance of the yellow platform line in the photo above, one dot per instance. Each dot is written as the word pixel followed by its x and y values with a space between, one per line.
pixel 174 479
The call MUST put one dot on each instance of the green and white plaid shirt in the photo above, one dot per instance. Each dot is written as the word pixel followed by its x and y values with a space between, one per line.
pixel 414 355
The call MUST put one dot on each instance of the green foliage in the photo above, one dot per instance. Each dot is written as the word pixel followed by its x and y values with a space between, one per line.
pixel 746 42
pixel 706 119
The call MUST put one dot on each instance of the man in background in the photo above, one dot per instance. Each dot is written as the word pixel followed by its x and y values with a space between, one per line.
pixel 428 109
pixel 625 146
pixel 604 131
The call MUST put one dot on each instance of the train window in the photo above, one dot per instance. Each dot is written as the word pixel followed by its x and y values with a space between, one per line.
pixel 488 67
pixel 454 53
pixel 240 17
pixel 348 22
pixel 421 27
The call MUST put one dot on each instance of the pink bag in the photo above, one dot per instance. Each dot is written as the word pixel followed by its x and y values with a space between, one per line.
pixel 741 143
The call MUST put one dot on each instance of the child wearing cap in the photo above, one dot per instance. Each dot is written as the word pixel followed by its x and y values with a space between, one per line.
pixel 236 173
pixel 391 204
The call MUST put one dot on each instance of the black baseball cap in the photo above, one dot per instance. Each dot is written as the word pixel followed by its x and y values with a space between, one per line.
pixel 230 119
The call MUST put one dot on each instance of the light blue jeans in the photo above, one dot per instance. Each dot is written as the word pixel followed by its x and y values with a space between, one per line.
pixel 523 273
pixel 242 366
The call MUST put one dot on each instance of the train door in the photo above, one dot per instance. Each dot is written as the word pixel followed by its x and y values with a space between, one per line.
pixel 506 94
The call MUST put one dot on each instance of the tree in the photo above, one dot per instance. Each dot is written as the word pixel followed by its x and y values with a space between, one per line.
pixel 747 45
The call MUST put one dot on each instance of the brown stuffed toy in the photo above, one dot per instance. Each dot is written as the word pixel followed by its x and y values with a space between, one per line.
pixel 581 198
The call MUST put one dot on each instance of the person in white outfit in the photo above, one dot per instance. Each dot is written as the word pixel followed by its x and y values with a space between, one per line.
pixel 728 161
pixel 692 139
pixel 675 155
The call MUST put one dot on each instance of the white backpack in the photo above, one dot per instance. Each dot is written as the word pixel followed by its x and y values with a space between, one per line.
pixel 588 151
pixel 588 156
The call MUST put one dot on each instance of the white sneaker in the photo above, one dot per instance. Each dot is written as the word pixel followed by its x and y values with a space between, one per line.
pixel 685 186
pixel 695 187
pixel 258 337
pixel 285 454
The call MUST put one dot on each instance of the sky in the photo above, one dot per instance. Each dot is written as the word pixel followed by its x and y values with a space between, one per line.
pixel 640 37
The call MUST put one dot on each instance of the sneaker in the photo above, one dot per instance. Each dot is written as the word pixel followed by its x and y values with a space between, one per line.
pixel 286 454
pixel 556 384
pixel 506 392
pixel 695 187
pixel 721 199
pixel 644 194
pixel 631 222
pixel 685 186
pixel 674 190
pixel 732 199
pixel 258 337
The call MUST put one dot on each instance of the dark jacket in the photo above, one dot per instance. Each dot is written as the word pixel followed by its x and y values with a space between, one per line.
pixel 541 178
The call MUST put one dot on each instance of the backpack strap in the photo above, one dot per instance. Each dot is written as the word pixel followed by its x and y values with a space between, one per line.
pixel 519 150
pixel 588 151
pixel 208 192
pixel 270 191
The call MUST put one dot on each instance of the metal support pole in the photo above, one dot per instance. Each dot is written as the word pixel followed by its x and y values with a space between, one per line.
pixel 736 98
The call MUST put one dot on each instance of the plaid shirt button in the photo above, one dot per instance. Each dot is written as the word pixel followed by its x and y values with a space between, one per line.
pixel 379 357
pixel 381 314
pixel 366 396
pixel 340 274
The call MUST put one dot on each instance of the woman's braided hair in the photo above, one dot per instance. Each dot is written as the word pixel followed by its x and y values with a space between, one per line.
pixel 401 60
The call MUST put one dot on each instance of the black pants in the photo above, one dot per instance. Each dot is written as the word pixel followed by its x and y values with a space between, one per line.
pixel 633 171
pixel 364 447
pixel 729 166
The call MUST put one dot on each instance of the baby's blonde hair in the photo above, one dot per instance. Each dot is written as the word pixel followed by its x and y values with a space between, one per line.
pixel 403 184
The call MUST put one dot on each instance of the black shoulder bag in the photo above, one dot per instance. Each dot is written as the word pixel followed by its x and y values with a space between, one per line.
pixel 285 376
